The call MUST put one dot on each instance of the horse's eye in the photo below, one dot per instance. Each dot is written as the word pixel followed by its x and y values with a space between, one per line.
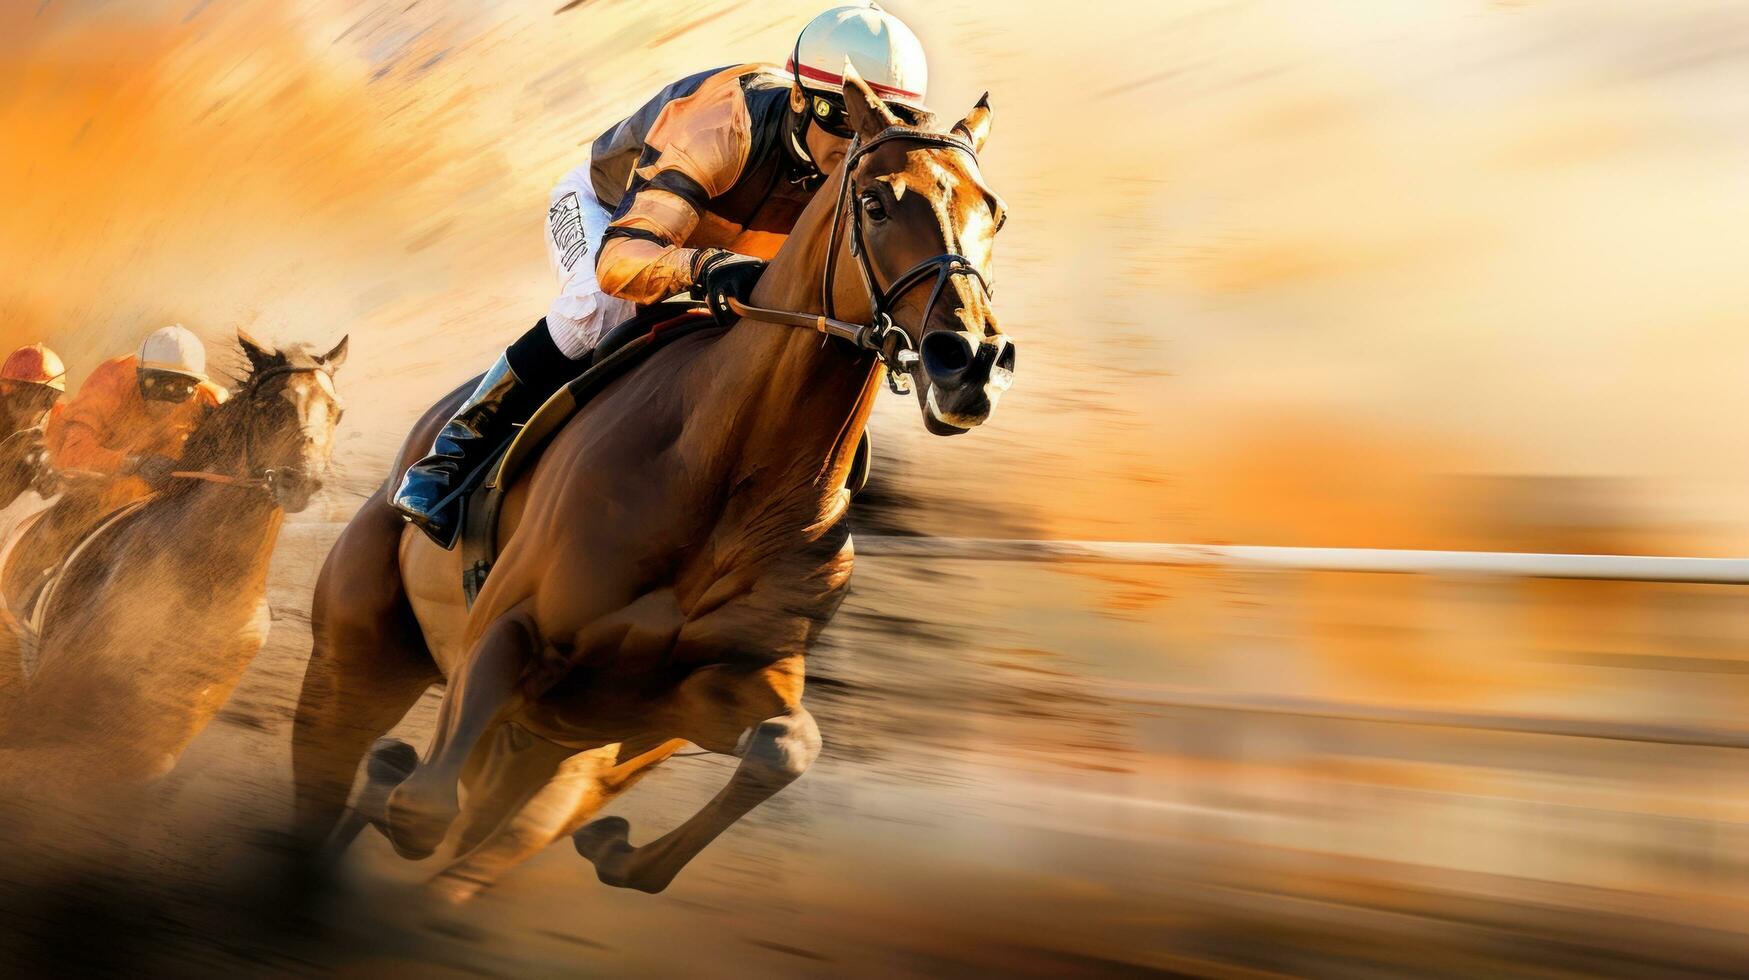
pixel 872 206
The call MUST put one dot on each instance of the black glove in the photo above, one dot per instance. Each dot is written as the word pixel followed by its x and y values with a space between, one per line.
pixel 718 274
pixel 155 470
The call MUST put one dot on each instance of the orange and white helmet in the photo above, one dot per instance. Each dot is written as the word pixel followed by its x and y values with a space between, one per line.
pixel 881 48
pixel 37 365
pixel 174 350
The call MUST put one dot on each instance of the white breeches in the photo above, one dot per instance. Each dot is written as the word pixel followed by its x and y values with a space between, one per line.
pixel 575 223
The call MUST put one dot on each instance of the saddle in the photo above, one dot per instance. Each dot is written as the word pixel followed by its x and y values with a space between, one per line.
pixel 26 620
pixel 622 349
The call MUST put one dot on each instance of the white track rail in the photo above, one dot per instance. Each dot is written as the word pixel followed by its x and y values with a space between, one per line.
pixel 1497 564
pixel 1507 564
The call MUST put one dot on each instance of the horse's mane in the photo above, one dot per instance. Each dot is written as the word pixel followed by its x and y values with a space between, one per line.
pixel 218 437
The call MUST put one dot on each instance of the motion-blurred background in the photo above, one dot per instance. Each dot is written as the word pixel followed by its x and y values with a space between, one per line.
pixel 1441 274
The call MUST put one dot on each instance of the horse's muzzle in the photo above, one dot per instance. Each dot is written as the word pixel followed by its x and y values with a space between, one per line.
pixel 965 376
pixel 293 489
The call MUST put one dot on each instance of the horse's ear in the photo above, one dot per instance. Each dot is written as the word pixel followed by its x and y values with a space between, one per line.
pixel 869 116
pixel 336 357
pixel 975 127
pixel 259 356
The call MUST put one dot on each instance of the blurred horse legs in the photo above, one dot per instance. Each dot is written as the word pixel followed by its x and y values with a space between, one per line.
pixel 485 686
pixel 582 785
pixel 508 768
pixel 368 666
pixel 511 774
pixel 778 751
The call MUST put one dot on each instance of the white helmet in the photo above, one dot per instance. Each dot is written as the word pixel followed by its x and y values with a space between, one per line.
pixel 884 51
pixel 174 349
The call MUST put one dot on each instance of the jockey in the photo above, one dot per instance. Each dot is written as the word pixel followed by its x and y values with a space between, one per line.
pixel 691 193
pixel 32 381
pixel 132 415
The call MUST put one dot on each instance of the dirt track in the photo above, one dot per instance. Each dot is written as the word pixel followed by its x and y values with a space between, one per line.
pixel 983 804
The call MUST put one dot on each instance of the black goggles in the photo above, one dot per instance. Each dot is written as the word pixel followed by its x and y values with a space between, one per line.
pixel 829 114
pixel 29 394
pixel 167 386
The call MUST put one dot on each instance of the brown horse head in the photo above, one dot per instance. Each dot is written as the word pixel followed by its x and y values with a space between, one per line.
pixel 921 204
pixel 279 425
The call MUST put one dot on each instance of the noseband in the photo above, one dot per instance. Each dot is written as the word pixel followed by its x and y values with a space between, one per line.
pixel 266 479
pixel 896 347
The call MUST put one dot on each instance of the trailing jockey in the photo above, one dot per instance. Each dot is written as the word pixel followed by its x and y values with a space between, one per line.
pixel 132 415
pixel 690 194
pixel 123 433
pixel 32 381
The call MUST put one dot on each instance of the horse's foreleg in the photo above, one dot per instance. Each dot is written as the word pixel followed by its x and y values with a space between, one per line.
pixel 584 785
pixel 776 752
pixel 487 686
pixel 516 790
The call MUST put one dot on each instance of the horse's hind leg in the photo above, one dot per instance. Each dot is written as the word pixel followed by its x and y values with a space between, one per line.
pixel 774 752
pixel 367 667
pixel 583 785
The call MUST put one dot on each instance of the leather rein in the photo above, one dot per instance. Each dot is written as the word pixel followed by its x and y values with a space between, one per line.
pixel 896 347
pixel 266 479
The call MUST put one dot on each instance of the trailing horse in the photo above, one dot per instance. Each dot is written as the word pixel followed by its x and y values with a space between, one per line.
pixel 667 562
pixel 150 621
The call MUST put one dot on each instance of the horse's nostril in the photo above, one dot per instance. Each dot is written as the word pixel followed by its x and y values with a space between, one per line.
pixel 1005 360
pixel 945 354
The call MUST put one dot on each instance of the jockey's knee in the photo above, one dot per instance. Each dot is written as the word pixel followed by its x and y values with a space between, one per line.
pixel 574 330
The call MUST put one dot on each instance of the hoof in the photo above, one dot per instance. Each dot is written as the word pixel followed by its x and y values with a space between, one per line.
pixel 601 836
pixel 605 844
pixel 415 823
pixel 387 766
pixel 390 762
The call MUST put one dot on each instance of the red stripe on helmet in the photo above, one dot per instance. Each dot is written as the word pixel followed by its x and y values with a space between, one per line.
pixel 807 71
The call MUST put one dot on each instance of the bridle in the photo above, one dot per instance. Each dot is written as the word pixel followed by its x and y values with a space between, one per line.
pixel 895 347
pixel 266 479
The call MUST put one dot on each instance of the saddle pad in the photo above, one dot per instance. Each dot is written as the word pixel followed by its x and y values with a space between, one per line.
pixel 28 622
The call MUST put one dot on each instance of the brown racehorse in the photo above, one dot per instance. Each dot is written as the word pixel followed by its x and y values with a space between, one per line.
pixel 153 621
pixel 668 561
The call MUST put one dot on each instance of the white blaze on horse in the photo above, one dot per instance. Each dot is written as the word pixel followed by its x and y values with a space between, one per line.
pixel 665 565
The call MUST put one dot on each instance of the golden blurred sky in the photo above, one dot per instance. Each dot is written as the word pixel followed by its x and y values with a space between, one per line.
pixel 1281 271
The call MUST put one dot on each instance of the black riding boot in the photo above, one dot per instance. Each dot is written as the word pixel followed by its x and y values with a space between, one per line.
pixel 525 375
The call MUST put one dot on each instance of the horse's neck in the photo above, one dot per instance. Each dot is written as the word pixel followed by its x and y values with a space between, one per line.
pixel 798 400
pixel 230 530
pixel 220 444
pixel 230 526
